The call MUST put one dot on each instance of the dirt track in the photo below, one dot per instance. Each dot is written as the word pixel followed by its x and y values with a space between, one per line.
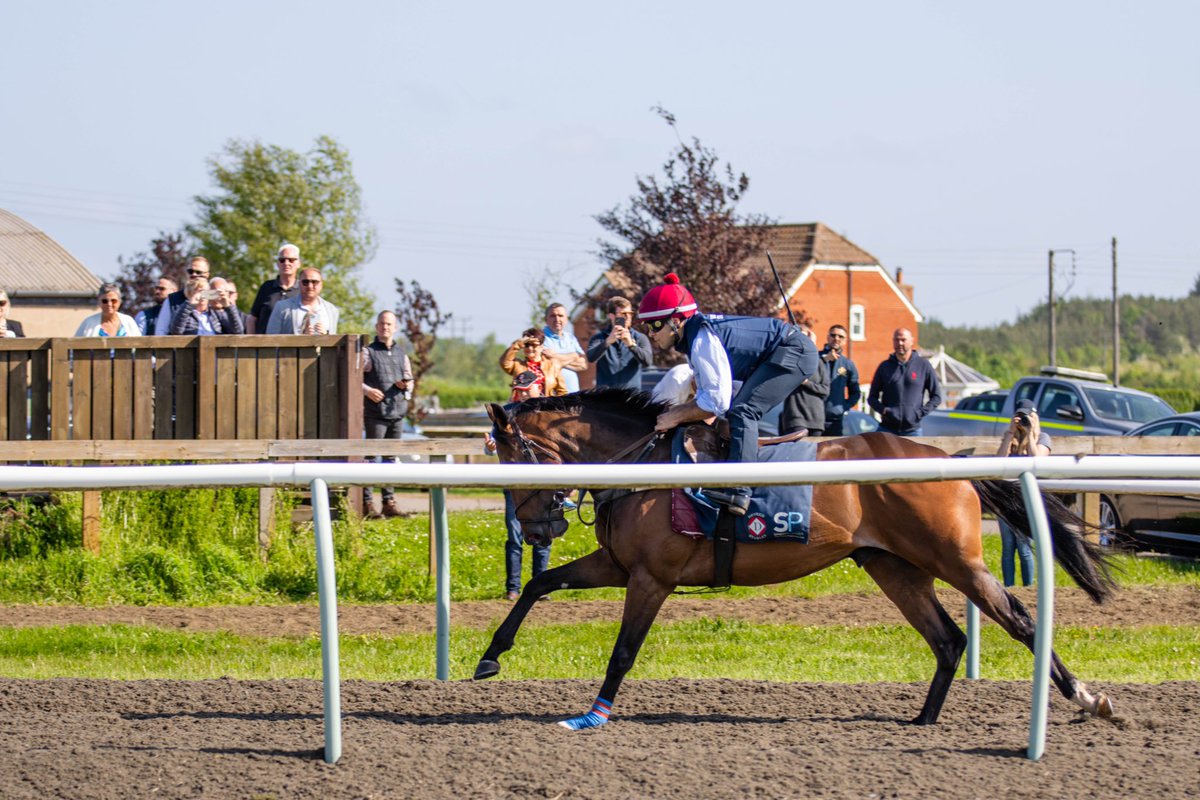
pixel 680 738
pixel 1130 606
pixel 676 739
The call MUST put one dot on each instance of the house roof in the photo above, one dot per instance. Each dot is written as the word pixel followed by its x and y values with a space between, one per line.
pixel 953 372
pixel 794 247
pixel 31 263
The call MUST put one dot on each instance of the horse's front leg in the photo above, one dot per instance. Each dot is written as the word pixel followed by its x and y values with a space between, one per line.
pixel 644 597
pixel 593 571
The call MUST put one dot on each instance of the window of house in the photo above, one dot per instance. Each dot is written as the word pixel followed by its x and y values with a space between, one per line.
pixel 858 323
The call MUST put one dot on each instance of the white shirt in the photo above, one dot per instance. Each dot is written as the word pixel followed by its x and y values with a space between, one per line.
pixel 564 342
pixel 714 375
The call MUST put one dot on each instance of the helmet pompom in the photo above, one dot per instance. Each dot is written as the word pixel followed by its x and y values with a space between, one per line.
pixel 671 278
pixel 670 299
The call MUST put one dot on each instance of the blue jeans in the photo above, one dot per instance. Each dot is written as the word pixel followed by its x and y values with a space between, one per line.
pixel 1010 545
pixel 913 432
pixel 514 546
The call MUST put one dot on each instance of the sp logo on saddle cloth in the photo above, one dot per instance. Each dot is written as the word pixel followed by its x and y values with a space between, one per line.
pixel 777 513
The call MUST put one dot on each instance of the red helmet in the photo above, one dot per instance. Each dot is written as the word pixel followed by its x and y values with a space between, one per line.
pixel 672 299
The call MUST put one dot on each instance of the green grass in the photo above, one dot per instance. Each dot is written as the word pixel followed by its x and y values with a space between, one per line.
pixel 702 648
pixel 200 548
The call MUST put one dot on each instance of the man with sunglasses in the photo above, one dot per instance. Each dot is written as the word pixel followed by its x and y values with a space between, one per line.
pixel 270 293
pixel 197 268
pixel 147 318
pixel 306 313
pixel 844 390
pixel 618 351
pixel 770 357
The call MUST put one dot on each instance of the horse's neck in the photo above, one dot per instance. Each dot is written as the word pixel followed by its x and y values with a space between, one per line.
pixel 603 440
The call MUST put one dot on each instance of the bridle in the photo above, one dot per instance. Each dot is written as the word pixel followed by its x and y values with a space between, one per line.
pixel 554 523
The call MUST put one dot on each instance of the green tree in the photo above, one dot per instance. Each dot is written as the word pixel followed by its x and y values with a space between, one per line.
pixel 269 195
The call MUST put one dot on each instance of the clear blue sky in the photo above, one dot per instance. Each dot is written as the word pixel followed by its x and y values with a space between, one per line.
pixel 958 140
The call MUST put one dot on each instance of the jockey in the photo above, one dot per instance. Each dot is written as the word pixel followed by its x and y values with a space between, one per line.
pixel 770 357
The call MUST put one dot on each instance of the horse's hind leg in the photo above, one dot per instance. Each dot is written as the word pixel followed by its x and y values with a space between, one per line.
pixel 594 570
pixel 999 604
pixel 911 589
pixel 643 599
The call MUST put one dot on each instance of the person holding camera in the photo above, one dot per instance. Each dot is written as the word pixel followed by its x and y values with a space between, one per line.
pixel 548 373
pixel 205 313
pixel 1024 437
pixel 618 351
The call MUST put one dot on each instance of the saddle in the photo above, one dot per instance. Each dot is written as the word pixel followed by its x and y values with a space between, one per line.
pixel 706 444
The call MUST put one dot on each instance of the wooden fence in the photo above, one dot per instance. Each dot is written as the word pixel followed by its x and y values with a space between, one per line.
pixel 180 387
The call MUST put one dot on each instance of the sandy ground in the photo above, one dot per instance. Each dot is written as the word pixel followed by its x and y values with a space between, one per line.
pixel 671 739
pixel 1130 607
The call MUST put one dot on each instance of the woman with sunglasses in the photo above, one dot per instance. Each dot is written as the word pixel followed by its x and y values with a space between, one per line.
pixel 109 321
pixel 770 357
pixel 547 372
pixel 9 328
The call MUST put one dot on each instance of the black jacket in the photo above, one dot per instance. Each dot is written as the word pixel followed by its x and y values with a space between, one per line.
pixel 898 393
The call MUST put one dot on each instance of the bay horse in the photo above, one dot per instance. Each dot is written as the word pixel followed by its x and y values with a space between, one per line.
pixel 904 535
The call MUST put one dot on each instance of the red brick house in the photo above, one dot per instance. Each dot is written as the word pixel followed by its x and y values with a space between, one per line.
pixel 829 280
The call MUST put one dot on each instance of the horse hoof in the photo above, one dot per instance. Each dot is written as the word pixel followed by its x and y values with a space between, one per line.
pixel 1104 707
pixel 486 669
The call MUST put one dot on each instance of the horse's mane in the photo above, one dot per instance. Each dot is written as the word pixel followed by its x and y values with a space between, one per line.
pixel 628 403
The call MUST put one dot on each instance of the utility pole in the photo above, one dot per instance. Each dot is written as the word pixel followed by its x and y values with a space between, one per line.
pixel 1116 319
pixel 1053 343
pixel 1052 307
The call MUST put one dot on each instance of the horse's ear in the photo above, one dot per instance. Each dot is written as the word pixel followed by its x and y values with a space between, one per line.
pixel 498 416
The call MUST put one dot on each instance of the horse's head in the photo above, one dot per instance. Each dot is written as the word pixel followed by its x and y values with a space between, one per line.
pixel 540 511
pixel 593 427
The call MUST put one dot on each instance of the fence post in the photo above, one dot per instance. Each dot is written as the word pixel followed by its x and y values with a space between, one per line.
pixel 327 598
pixel 91 521
pixel 266 520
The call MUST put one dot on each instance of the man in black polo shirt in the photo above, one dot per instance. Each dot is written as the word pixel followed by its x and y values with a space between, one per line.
pixel 282 288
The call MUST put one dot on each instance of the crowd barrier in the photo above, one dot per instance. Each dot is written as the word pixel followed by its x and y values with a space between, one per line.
pixel 437 477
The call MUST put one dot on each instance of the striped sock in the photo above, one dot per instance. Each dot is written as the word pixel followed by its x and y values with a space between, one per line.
pixel 593 719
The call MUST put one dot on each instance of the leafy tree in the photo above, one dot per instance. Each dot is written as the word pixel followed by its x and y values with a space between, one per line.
pixel 687 222
pixel 168 258
pixel 419 319
pixel 269 195
pixel 1195 292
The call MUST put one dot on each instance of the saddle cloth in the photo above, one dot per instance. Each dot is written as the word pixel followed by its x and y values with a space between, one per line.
pixel 777 513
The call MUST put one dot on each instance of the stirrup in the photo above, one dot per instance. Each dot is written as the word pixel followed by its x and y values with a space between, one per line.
pixel 735 503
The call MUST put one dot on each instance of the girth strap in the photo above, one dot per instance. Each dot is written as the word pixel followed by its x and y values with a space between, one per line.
pixel 724 541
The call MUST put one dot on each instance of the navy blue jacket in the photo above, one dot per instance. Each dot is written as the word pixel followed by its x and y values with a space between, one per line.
pixel 844 389
pixel 748 341
pixel 898 392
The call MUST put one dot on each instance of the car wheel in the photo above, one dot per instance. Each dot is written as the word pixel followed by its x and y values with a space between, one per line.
pixel 1110 523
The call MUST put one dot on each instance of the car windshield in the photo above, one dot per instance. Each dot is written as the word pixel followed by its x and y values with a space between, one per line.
pixel 1111 404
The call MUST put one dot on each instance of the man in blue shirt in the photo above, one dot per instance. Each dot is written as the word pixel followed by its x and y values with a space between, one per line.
pixel 844 390
pixel 562 346
pixel 618 351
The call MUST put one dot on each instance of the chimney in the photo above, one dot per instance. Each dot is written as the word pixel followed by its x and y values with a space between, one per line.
pixel 900 275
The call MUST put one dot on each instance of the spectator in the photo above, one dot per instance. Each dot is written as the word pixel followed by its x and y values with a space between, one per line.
pixel 387 382
pixel 804 409
pixel 844 390
pixel 204 313
pixel 1023 438
pixel 905 388
pixel 561 346
pixel 108 322
pixel 306 313
pixel 9 328
pixel 524 386
pixel 282 288
pixel 549 374
pixel 226 301
pixel 147 318
pixel 197 268
pixel 618 351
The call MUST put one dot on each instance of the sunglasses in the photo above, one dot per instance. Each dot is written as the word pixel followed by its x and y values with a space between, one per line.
pixel 310 282
pixel 3 302
pixel 199 273
pixel 285 260
pixel 656 325
pixel 109 301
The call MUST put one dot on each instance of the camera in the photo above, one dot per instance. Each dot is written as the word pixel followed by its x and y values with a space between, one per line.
pixel 1024 418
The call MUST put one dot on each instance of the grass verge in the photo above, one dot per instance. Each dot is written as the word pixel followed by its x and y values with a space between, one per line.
pixel 703 648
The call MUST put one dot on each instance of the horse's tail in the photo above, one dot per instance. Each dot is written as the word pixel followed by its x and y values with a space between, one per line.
pixel 1084 561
